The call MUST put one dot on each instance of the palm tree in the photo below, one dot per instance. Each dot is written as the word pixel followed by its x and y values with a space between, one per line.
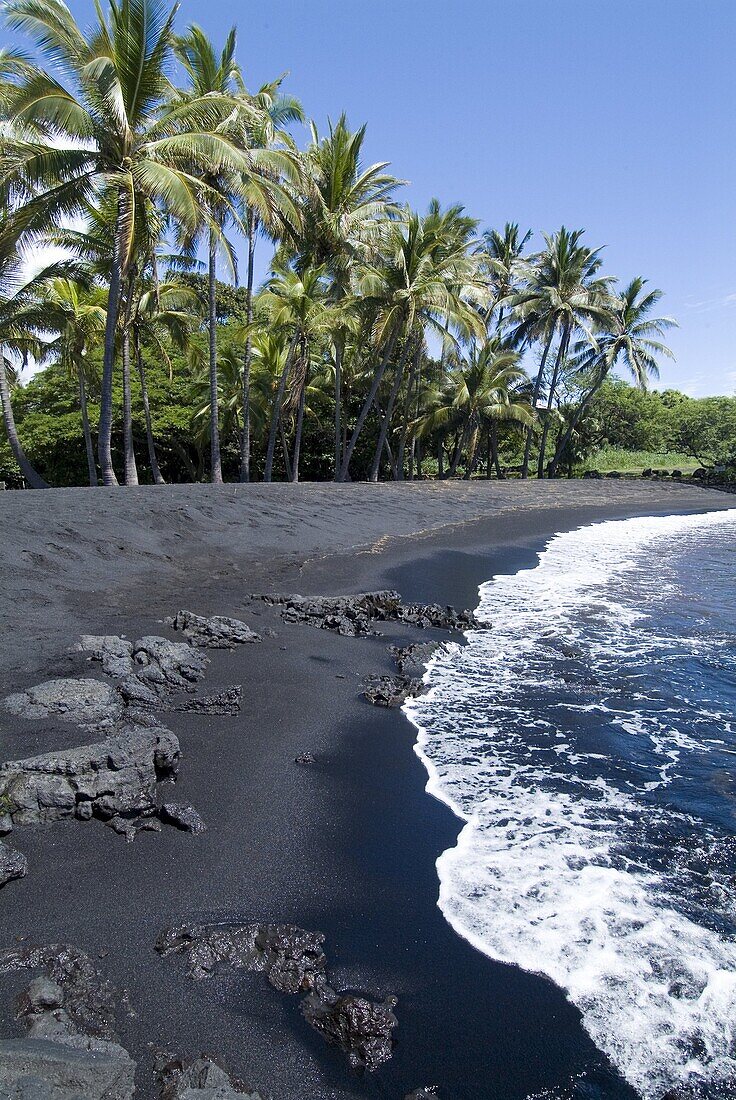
pixel 633 337
pixel 501 255
pixel 345 208
pixel 78 319
pixel 106 127
pixel 481 393
pixel 419 285
pixel 563 294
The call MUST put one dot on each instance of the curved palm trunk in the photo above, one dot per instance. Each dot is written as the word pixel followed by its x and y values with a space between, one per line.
pixel 152 457
pixel 104 437
pixel 298 433
pixel 377 377
pixel 276 411
pixel 574 421
pixel 561 353
pixel 535 398
pixel 215 460
pixel 248 353
pixel 493 451
pixel 386 421
pixel 460 447
pixel 472 454
pixel 131 470
pixel 338 407
pixel 91 467
pixel 33 479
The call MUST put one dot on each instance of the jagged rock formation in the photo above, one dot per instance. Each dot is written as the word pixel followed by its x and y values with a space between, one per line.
pixel 148 670
pixel 355 615
pixel 225 702
pixel 116 777
pixel 91 704
pixel 293 961
pixel 390 691
pixel 214 632
pixel 393 691
pixel 12 864
pixel 199 1079
pixel 360 1027
pixel 71 1051
pixel 182 816
pixel 290 957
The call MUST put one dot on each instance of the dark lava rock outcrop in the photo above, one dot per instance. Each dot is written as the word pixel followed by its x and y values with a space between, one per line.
pixel 117 776
pixel 91 704
pixel 390 691
pixel 148 670
pixel 412 660
pixel 214 632
pixel 362 1028
pixel 290 957
pixel 182 816
pixel 200 1079
pixel 70 1051
pixel 13 864
pixel 293 961
pixel 356 615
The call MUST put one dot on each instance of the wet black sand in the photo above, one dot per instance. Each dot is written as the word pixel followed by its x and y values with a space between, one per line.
pixel 346 846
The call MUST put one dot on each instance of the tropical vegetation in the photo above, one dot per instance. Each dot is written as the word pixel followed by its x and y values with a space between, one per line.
pixel 383 342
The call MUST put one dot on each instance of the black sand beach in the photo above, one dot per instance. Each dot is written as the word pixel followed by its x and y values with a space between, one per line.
pixel 346 845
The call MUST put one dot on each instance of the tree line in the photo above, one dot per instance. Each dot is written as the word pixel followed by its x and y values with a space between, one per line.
pixel 384 343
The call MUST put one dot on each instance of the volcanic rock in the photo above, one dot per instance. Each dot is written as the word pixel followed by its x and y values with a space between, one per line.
pixel 360 1027
pixel 182 816
pixel 391 691
pixel 291 958
pixel 214 632
pixel 412 660
pixel 13 864
pixel 355 615
pixel 200 1079
pixel 91 704
pixel 113 777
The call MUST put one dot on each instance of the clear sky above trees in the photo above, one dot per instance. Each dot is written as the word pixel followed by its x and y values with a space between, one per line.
pixel 615 115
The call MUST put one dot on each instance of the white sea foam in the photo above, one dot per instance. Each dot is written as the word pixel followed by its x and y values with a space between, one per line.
pixel 545 873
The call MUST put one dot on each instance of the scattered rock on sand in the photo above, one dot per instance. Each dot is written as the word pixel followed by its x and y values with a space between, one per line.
pixel 91 704
pixel 113 777
pixel 225 702
pixel 390 691
pixel 13 864
pixel 290 957
pixel 355 615
pixel 305 758
pixel 182 816
pixel 114 653
pixel 412 660
pixel 200 1079
pixel 149 669
pixel 429 1092
pixel 71 1050
pixel 214 632
pixel 360 1027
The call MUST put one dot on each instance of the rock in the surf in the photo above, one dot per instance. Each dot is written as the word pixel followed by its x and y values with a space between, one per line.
pixel 362 1028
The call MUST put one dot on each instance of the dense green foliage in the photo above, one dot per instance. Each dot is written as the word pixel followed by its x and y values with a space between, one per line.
pixel 384 342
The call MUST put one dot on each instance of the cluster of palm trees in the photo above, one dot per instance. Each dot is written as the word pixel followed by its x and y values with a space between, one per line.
pixel 399 337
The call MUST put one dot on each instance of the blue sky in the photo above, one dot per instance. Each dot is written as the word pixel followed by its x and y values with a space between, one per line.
pixel 618 116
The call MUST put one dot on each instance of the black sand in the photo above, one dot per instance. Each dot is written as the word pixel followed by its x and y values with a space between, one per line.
pixel 346 846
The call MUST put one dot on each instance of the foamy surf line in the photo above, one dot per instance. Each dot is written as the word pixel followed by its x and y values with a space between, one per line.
pixel 542 874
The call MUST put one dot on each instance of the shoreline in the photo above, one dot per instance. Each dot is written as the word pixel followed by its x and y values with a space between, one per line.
pixel 347 847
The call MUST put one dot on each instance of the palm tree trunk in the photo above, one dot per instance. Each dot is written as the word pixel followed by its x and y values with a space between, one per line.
pixel 338 407
pixel 377 378
pixel 405 420
pixel 104 435
pixel 440 460
pixel 285 451
pixel 32 479
pixel 386 422
pixel 215 460
pixel 535 398
pixel 472 453
pixel 91 468
pixel 131 470
pixel 276 411
pixel 561 353
pixel 493 450
pixel 248 354
pixel 460 447
pixel 574 421
pixel 298 433
pixel 152 457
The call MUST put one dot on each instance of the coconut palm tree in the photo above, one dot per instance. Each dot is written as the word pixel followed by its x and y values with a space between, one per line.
pixel 419 285
pixel 564 293
pixel 101 122
pixel 480 393
pixel 501 256
pixel 632 337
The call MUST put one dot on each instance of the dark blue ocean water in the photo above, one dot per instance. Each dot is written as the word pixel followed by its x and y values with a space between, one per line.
pixel 588 740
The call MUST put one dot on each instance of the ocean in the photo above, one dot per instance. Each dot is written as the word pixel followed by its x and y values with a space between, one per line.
pixel 587 740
